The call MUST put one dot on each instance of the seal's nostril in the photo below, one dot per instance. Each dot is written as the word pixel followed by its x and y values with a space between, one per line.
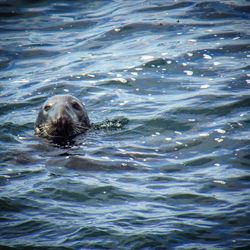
pixel 62 121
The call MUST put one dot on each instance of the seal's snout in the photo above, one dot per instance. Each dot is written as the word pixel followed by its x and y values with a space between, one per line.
pixel 61 114
pixel 62 121
pixel 62 125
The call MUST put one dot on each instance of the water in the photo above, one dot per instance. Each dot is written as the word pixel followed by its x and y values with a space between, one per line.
pixel 176 176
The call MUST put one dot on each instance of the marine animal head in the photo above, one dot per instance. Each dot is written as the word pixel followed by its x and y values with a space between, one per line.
pixel 62 116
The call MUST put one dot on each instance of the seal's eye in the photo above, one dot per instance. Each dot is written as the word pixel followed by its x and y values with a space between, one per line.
pixel 76 106
pixel 47 107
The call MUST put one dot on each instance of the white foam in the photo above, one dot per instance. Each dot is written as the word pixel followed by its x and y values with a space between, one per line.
pixel 205 86
pixel 147 58
pixel 189 72
pixel 208 57
pixel 220 131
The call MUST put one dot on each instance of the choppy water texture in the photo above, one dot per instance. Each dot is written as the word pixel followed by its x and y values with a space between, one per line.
pixel 176 176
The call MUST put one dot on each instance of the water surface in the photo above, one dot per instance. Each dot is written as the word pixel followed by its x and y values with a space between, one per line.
pixel 176 176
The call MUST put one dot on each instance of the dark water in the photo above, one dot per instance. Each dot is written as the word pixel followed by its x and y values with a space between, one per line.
pixel 177 175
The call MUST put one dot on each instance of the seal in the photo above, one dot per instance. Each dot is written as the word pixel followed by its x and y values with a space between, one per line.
pixel 62 116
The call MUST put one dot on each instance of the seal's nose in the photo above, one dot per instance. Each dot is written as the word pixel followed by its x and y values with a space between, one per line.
pixel 61 114
pixel 62 121
pixel 63 126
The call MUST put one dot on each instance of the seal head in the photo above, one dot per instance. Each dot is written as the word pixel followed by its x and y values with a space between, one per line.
pixel 62 116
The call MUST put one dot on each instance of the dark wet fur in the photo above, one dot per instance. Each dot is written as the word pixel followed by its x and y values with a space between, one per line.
pixel 61 121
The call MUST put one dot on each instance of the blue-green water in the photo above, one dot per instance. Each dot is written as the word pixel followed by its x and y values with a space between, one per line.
pixel 177 175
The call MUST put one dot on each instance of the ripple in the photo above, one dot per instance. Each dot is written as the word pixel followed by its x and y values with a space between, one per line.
pixel 215 10
pixel 167 7
pixel 8 204
pixel 8 107
pixel 79 163
pixel 166 88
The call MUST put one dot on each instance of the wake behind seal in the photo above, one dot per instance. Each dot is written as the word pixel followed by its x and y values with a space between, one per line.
pixel 62 116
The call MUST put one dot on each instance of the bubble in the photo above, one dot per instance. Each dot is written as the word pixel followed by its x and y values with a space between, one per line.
pixel 178 132
pixel 123 103
pixel 216 63
pixel 192 40
pixel 220 182
pixel 120 79
pixel 188 72
pixel 168 138
pixel 219 140
pixel 220 131
pixel 206 56
pixel 105 157
pixel 147 58
pixel 204 134
pixel 205 86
